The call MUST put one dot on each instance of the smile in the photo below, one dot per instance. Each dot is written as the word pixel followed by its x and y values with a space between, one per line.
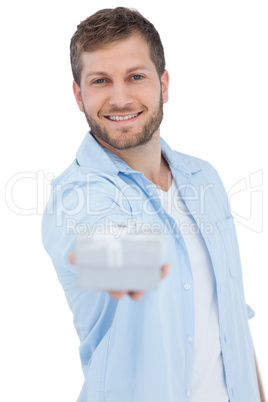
pixel 122 118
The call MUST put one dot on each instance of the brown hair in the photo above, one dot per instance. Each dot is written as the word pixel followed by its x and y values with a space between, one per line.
pixel 111 25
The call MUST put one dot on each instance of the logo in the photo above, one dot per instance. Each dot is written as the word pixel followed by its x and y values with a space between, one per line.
pixel 246 201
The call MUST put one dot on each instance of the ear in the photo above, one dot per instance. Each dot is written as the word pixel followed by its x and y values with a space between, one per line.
pixel 78 97
pixel 165 84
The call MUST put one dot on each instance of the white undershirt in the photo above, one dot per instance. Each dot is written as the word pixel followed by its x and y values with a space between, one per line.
pixel 208 382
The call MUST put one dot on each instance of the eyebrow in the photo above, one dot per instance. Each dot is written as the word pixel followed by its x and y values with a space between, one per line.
pixel 128 71
pixel 131 69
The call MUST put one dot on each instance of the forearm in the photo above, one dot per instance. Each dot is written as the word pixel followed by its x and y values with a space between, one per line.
pixel 263 398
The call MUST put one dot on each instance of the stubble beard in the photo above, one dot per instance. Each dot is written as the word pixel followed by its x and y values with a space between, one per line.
pixel 128 141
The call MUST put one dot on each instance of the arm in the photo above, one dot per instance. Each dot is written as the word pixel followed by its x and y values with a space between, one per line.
pixel 263 399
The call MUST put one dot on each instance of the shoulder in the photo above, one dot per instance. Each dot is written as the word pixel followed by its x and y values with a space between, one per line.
pixel 184 162
pixel 195 164
pixel 192 162
pixel 203 174
pixel 80 176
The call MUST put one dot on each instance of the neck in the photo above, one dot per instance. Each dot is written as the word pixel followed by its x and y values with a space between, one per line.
pixel 146 159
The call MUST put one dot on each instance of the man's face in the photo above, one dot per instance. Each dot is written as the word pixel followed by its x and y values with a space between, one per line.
pixel 121 93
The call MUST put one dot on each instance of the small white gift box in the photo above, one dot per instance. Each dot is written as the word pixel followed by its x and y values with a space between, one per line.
pixel 129 261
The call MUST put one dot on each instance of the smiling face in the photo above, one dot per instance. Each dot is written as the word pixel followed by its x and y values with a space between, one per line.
pixel 121 93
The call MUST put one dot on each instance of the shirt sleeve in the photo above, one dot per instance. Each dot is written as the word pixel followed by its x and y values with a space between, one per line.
pixel 80 204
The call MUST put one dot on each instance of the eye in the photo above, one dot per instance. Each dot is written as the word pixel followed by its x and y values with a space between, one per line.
pixel 137 77
pixel 99 81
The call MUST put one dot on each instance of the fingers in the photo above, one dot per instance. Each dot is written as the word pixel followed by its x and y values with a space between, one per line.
pixel 133 295
pixel 117 294
pixel 165 270
pixel 72 257
pixel 136 295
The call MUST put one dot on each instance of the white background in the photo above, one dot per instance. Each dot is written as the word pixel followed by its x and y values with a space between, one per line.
pixel 216 53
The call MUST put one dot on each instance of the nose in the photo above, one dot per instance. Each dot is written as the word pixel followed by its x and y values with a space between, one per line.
pixel 120 96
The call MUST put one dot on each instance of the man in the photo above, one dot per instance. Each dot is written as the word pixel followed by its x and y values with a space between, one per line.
pixel 189 340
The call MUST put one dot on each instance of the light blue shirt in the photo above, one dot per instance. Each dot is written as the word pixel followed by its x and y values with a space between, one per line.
pixel 140 351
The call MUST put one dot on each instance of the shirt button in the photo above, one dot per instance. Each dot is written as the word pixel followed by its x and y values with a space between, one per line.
pixel 188 393
pixel 187 286
pixel 190 339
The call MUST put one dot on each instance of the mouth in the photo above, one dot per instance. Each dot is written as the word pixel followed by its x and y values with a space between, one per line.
pixel 123 118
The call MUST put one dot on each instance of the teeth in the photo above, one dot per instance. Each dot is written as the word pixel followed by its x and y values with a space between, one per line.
pixel 120 118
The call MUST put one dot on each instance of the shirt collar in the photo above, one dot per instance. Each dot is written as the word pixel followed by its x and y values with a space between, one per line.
pixel 93 155
pixel 179 161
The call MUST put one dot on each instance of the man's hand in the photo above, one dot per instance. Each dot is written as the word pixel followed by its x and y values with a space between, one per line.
pixel 134 295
